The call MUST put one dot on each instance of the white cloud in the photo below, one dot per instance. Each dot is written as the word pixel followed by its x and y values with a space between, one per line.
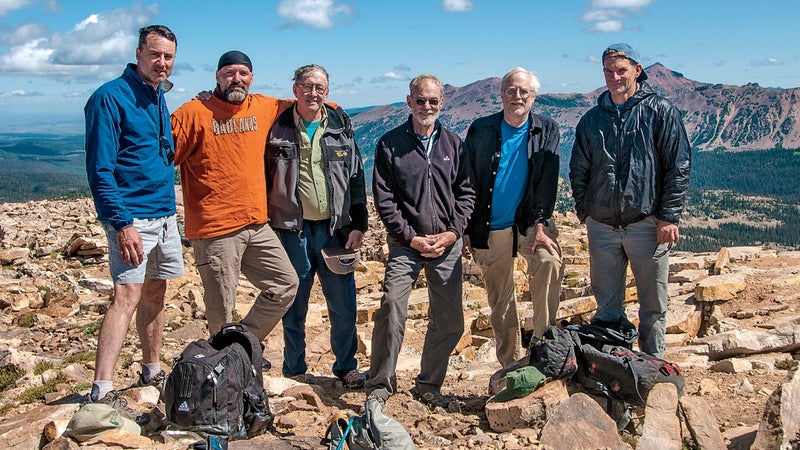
pixel 20 93
pixel 457 5
pixel 25 33
pixel 92 19
pixel 600 15
pixel 608 26
pixel 390 76
pixel 95 46
pixel 76 94
pixel 313 13
pixel 11 5
pixel 395 76
pixel 611 4
pixel 608 15
pixel 767 62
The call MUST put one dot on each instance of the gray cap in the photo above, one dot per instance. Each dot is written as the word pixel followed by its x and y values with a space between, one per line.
pixel 624 50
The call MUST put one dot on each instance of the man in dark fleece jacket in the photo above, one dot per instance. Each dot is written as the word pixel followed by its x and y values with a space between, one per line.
pixel 423 196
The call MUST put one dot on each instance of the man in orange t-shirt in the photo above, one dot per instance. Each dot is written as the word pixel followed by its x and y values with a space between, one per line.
pixel 219 146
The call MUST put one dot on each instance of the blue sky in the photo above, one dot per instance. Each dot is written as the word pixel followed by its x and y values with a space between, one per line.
pixel 54 53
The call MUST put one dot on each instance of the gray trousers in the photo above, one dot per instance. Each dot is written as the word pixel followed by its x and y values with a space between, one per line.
pixel 445 316
pixel 610 251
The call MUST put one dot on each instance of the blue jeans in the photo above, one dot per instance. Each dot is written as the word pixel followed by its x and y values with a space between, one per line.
pixel 610 251
pixel 304 250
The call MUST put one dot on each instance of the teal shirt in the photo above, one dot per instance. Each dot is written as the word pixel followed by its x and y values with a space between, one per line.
pixel 512 175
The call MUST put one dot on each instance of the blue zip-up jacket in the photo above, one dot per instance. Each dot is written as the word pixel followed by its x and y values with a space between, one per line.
pixel 130 172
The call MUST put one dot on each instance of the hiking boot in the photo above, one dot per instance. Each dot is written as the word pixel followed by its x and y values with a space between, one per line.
pixel 158 381
pixel 353 379
pixel 431 397
pixel 120 404
pixel 302 378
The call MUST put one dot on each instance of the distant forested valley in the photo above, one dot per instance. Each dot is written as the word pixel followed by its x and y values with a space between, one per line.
pixel 752 197
pixel 735 198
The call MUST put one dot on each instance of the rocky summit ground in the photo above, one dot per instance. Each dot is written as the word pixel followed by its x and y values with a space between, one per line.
pixel 734 327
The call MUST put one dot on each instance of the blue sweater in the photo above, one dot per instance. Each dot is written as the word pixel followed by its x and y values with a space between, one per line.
pixel 130 174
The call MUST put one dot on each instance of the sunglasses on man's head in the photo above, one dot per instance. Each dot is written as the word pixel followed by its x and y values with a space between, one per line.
pixel 167 153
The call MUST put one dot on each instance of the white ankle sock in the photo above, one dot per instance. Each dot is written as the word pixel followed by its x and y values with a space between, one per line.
pixel 150 370
pixel 100 388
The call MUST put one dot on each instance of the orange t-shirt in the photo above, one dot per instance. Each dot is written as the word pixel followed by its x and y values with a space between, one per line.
pixel 219 147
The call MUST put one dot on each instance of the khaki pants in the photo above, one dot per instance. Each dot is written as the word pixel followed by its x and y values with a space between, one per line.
pixel 545 272
pixel 257 252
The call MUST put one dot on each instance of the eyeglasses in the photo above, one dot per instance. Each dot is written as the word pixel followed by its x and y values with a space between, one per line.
pixel 512 91
pixel 167 153
pixel 431 101
pixel 661 250
pixel 317 88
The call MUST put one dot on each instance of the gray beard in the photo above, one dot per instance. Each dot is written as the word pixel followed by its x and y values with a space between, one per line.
pixel 236 94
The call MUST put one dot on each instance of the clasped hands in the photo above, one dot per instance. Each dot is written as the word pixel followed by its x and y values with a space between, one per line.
pixel 433 245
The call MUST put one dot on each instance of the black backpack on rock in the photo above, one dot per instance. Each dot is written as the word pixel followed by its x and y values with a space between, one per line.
pixel 554 354
pixel 216 388
pixel 599 333
pixel 601 360
pixel 608 366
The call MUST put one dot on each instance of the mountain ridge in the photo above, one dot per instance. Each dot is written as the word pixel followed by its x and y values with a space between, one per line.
pixel 716 116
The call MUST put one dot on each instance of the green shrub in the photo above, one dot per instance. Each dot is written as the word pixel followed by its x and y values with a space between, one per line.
pixel 7 408
pixel 42 367
pixel 37 393
pixel 784 364
pixel 27 320
pixel 79 358
pixel 125 361
pixel 78 388
pixel 9 376
pixel 92 328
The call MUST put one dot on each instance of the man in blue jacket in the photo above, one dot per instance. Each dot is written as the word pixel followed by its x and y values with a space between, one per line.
pixel 423 196
pixel 629 172
pixel 129 153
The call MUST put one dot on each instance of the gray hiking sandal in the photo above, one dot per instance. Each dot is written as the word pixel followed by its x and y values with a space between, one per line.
pixel 158 381
pixel 120 404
